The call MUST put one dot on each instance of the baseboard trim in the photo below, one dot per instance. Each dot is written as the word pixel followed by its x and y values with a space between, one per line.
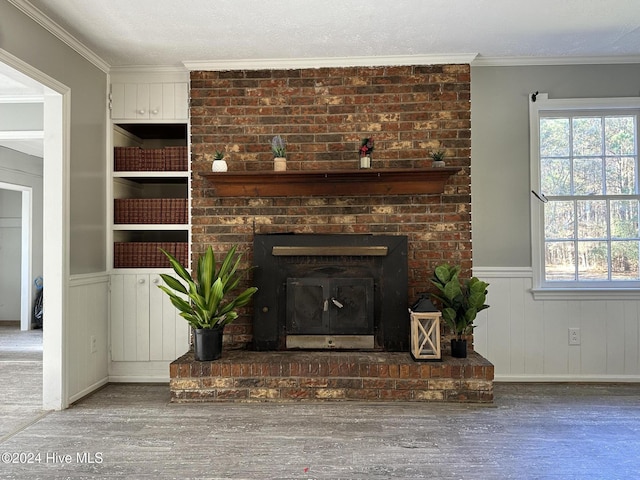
pixel 567 378
pixel 89 390
pixel 138 379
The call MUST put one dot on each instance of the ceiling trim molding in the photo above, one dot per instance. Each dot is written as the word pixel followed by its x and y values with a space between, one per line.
pixel 322 62
pixel 22 98
pixel 32 12
pixel 22 135
pixel 481 61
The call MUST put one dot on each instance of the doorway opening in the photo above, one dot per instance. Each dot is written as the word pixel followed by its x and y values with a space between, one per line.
pixel 55 121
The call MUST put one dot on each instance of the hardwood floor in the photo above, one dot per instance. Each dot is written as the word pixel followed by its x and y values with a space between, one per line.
pixel 532 431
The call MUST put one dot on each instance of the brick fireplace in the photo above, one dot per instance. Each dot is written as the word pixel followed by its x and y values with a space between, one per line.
pixel 323 114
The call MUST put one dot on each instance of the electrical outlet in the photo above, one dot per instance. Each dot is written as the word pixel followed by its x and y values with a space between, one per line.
pixel 574 336
pixel 93 344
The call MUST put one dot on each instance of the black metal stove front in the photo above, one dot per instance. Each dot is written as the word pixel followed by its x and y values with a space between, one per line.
pixel 330 312
pixel 331 292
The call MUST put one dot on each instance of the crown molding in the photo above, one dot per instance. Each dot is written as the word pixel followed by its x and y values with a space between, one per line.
pixel 323 62
pixel 21 99
pixel 32 12
pixel 481 61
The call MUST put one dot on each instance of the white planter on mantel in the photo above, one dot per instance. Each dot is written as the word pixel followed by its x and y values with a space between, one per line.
pixel 365 161
pixel 219 166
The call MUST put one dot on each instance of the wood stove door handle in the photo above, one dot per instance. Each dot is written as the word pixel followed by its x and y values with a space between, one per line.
pixel 337 303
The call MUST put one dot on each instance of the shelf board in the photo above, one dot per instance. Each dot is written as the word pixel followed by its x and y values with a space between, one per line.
pixel 151 226
pixel 151 174
pixel 330 183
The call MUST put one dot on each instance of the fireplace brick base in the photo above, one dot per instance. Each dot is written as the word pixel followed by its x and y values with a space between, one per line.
pixel 248 376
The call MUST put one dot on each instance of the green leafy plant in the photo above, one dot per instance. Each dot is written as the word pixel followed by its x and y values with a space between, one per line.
pixel 207 301
pixel 438 155
pixel 218 155
pixel 460 301
pixel 278 146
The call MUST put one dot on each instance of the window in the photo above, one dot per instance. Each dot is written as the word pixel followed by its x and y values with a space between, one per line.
pixel 585 176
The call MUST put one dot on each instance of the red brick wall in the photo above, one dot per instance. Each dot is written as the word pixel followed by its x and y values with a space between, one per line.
pixel 323 114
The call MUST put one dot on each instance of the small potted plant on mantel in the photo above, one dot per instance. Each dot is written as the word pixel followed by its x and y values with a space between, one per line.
pixel 207 302
pixel 460 303
pixel 438 158
pixel 219 163
pixel 366 147
pixel 279 150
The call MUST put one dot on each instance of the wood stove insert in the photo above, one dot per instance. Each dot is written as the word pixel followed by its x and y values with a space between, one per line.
pixel 331 292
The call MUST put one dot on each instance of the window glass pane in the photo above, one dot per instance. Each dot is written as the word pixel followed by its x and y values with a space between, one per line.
pixel 624 219
pixel 592 218
pixel 593 261
pixel 624 261
pixel 587 136
pixel 621 175
pixel 559 220
pixel 556 176
pixel 559 261
pixel 619 136
pixel 554 137
pixel 589 170
pixel 587 176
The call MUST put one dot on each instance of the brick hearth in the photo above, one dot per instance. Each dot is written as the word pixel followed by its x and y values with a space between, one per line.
pixel 248 376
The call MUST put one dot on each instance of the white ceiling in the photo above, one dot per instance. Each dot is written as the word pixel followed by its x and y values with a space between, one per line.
pixel 170 32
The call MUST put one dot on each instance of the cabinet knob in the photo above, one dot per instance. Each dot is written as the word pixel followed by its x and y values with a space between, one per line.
pixel 141 111
pixel 156 280
pixel 141 281
pixel 155 111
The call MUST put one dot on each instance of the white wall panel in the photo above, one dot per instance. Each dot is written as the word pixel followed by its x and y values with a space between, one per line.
pixel 528 339
pixel 87 317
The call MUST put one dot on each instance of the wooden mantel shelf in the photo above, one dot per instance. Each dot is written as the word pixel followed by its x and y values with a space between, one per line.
pixel 330 183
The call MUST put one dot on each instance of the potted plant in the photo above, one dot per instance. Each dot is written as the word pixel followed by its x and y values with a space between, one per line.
pixel 438 158
pixel 279 150
pixel 219 163
pixel 366 147
pixel 460 302
pixel 207 302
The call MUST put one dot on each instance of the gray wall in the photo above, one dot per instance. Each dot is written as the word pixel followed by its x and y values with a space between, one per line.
pixel 24 170
pixel 29 42
pixel 500 178
pixel 21 116
pixel 10 231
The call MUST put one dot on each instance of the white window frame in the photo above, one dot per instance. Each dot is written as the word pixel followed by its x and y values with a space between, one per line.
pixel 538 104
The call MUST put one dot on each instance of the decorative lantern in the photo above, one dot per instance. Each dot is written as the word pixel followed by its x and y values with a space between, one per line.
pixel 425 331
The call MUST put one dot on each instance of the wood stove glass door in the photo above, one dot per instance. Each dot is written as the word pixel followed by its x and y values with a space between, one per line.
pixel 330 306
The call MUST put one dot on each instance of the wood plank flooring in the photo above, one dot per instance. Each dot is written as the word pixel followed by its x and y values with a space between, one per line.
pixel 532 431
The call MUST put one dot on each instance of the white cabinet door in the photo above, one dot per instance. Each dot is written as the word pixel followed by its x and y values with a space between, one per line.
pixel 169 332
pixel 150 101
pixel 145 326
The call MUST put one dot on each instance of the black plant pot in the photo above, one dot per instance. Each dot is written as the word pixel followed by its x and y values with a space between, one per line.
pixel 458 348
pixel 207 344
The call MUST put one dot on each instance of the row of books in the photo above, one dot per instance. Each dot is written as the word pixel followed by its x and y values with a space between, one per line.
pixel 134 159
pixel 148 254
pixel 151 210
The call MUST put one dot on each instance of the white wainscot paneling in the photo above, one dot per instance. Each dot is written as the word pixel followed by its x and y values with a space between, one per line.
pixel 528 340
pixel 87 333
pixel 146 331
